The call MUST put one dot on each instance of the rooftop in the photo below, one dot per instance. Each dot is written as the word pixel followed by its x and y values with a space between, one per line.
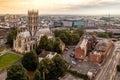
pixel 82 43
pixel 25 33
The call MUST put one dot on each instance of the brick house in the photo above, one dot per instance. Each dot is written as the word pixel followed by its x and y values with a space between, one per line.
pixel 101 51
pixel 81 48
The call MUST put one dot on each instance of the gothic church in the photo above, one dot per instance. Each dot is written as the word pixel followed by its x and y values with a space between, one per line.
pixel 29 38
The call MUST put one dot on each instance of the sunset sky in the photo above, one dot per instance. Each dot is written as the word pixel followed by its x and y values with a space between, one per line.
pixel 89 7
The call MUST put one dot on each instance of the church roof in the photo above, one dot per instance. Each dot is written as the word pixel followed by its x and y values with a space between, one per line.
pixel 25 33
pixel 42 31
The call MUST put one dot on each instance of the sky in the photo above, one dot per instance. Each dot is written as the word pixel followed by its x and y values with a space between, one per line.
pixel 78 7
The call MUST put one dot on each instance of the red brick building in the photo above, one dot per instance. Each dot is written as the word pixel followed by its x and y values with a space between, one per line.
pixel 81 48
pixel 101 51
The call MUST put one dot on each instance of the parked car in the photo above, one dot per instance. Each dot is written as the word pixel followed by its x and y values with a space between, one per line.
pixel 72 55
pixel 73 62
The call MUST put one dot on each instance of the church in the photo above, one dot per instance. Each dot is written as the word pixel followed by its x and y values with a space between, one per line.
pixel 28 39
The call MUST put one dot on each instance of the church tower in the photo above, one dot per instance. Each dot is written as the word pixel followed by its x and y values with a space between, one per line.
pixel 33 18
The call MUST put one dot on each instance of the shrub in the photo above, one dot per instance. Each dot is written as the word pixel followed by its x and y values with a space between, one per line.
pixel 118 67
pixel 80 75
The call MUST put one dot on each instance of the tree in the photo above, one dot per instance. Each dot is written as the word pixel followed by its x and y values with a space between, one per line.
pixel 60 64
pixel 74 39
pixel 102 35
pixel 44 67
pixel 43 42
pixel 11 37
pixel 38 50
pixel 118 67
pixel 57 32
pixel 17 72
pixel 30 61
pixel 51 69
pixel 110 34
pixel 64 38
pixel 56 46
pixel 37 75
pixel 49 46
pixel 80 32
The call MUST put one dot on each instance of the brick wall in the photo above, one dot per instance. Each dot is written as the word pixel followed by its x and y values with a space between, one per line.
pixel 80 53
pixel 95 58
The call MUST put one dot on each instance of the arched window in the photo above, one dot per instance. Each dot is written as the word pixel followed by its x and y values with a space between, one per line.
pixel 26 47
pixel 19 43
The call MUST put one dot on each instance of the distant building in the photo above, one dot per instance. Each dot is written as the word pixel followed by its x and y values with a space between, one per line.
pixel 58 24
pixel 94 30
pixel 67 23
pixel 91 23
pixel 78 24
pixel 81 48
pixel 101 51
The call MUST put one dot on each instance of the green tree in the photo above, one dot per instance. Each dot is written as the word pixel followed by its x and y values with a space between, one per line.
pixel 56 46
pixel 42 44
pixel 110 34
pixel 118 67
pixel 64 38
pixel 30 61
pixel 102 35
pixel 17 72
pixel 44 67
pixel 60 64
pixel 80 32
pixel 11 37
pixel 37 75
pixel 53 68
pixel 49 46
pixel 38 50
pixel 57 32
pixel 74 39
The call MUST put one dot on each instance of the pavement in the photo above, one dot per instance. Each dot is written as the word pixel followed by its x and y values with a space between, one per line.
pixel 108 70
pixel 70 77
pixel 3 75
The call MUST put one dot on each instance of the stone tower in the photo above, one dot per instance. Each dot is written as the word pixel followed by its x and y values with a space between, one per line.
pixel 33 18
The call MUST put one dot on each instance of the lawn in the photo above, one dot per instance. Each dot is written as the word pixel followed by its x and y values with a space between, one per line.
pixel 7 60
pixel 1 49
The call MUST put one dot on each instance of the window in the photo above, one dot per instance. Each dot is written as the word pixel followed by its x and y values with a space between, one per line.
pixel 19 43
pixel 26 47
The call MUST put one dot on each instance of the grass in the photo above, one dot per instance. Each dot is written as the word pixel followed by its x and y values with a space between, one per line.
pixel 1 49
pixel 7 60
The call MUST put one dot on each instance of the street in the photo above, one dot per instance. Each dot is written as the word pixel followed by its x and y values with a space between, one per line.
pixel 108 70
pixel 3 75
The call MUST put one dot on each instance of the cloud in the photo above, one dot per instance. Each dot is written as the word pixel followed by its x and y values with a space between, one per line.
pixel 95 7
pixel 60 6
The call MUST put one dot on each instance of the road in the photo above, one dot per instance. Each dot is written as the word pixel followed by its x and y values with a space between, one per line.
pixel 3 75
pixel 109 69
